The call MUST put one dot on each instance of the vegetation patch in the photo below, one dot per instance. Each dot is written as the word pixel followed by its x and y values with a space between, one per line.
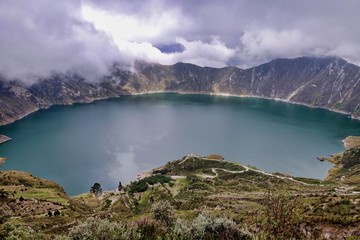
pixel 195 164
pixel 143 184
pixel 191 198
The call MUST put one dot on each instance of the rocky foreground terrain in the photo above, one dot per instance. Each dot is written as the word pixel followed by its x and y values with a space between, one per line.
pixel 191 198
pixel 327 82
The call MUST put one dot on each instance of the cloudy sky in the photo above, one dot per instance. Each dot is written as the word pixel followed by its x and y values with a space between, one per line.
pixel 87 36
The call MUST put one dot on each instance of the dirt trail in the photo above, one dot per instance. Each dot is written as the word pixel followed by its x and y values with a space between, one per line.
pixel 246 168
pixel 214 170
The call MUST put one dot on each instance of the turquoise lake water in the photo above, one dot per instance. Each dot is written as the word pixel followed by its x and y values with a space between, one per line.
pixel 113 140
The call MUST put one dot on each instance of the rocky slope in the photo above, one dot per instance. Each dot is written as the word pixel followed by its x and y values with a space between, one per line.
pixel 327 82
pixel 347 164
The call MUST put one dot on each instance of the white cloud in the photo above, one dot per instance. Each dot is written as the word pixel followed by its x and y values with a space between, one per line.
pixel 263 44
pixel 87 36
pixel 36 41
pixel 133 38
pixel 123 27
pixel 269 41
pixel 259 44
pixel 214 53
pixel 247 33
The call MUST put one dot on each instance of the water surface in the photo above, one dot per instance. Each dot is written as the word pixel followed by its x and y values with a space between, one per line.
pixel 113 140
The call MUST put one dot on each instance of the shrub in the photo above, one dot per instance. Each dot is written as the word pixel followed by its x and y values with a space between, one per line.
pixel 142 185
pixel 163 211
pixel 139 186
pixel 157 179
pixel 96 189
pixel 3 194
pixel 107 204
pixel 14 232
pixel 281 217
pixel 161 171
pixel 207 226
pixel 345 201
pixel 57 213
pixel 149 229
pixel 94 229
pixel 62 237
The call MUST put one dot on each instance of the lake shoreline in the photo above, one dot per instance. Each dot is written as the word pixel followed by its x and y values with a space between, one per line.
pixel 184 93
pixel 246 96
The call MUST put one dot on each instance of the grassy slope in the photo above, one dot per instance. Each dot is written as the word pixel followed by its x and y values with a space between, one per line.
pixel 29 199
pixel 198 183
pixel 21 184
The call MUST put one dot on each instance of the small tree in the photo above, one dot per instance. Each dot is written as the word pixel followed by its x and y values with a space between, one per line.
pixel 96 189
pixel 120 187
pixel 57 212
pixel 3 194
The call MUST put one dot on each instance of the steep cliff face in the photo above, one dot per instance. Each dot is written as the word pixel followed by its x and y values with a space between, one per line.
pixel 328 82
pixel 18 100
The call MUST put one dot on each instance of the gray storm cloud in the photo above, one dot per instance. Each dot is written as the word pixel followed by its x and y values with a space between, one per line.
pixel 39 37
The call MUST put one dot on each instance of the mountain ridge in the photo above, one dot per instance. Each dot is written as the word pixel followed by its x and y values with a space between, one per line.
pixel 325 82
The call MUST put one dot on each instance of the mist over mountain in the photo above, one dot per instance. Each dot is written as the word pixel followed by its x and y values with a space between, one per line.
pixel 87 36
pixel 327 82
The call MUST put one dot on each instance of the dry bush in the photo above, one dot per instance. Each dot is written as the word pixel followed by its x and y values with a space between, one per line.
pixel 281 218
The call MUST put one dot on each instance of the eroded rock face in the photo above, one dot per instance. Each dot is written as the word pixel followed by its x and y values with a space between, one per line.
pixel 328 82
pixel 351 157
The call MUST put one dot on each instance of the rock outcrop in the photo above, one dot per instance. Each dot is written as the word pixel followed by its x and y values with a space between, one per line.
pixel 4 139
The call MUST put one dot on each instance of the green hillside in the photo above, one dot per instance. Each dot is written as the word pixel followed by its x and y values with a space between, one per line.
pixel 192 198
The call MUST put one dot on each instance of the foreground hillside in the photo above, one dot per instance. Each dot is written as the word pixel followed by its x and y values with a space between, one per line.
pixel 191 198
pixel 328 82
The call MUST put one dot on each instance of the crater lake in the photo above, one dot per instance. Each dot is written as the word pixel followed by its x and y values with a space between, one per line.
pixel 113 140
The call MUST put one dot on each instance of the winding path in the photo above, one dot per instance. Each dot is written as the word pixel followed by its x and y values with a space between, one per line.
pixel 246 169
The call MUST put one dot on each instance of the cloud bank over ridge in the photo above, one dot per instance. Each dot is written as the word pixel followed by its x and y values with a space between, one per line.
pixel 87 36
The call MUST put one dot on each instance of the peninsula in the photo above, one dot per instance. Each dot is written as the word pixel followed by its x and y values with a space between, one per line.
pixel 4 139
pixel 191 188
